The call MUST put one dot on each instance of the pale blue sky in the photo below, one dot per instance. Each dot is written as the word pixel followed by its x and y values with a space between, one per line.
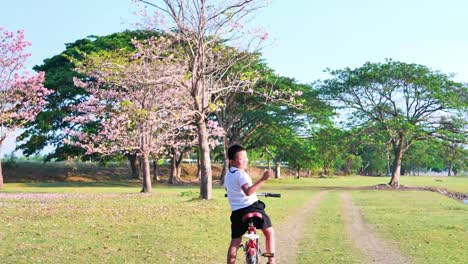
pixel 308 35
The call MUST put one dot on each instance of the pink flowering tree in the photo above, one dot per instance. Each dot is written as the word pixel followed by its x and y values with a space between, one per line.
pixel 135 103
pixel 21 94
pixel 187 141
pixel 206 29
pixel 177 148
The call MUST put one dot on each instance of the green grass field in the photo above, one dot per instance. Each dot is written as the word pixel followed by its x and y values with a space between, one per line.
pixel 456 184
pixel 429 227
pixel 113 223
pixel 325 241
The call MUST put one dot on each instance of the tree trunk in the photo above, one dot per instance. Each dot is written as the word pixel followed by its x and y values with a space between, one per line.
pixel 224 171
pixel 452 150
pixel 402 170
pixel 277 170
pixel 133 160
pixel 226 161
pixel 450 168
pixel 326 169
pixel 395 180
pixel 198 166
pixel 179 164
pixel 147 188
pixel 1 174
pixel 173 174
pixel 156 170
pixel 176 163
pixel 349 165
pixel 179 171
pixel 388 162
pixel 205 162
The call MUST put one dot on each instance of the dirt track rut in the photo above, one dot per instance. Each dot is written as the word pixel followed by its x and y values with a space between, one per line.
pixel 290 233
pixel 375 249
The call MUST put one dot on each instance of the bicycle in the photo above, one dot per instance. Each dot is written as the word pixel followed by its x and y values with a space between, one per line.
pixel 252 245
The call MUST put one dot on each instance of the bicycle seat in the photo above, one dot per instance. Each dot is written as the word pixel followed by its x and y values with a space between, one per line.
pixel 254 217
pixel 251 236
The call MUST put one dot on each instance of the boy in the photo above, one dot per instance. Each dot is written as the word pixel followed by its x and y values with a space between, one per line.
pixel 242 197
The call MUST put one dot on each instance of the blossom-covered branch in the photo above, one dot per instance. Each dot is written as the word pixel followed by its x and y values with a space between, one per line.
pixel 21 94
pixel 137 102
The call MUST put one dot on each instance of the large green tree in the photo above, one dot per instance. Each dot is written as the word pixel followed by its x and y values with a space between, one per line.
pixel 410 102
pixel 276 141
pixel 330 144
pixel 283 138
pixel 48 128
pixel 203 28
pixel 273 101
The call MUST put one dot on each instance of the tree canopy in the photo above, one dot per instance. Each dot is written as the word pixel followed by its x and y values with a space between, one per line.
pixel 49 126
pixel 410 102
pixel 21 94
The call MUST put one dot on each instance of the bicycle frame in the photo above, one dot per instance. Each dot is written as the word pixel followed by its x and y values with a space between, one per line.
pixel 252 245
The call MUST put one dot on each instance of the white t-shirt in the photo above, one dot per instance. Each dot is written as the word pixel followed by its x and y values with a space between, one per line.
pixel 233 182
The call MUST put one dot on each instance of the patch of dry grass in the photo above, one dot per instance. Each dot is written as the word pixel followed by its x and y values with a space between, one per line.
pixel 169 226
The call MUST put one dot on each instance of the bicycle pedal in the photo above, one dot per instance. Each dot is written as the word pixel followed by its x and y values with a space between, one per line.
pixel 268 255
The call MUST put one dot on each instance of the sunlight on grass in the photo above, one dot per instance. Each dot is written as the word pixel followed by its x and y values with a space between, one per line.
pixel 325 240
pixel 430 227
pixel 170 226
pixel 72 187
pixel 458 184
pixel 159 228
pixel 104 222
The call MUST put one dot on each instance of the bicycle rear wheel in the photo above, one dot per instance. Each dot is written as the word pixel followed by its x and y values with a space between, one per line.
pixel 252 259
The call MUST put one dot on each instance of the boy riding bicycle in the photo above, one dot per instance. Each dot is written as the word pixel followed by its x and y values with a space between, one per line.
pixel 242 198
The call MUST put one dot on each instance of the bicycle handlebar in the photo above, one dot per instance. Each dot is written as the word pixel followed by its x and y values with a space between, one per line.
pixel 276 195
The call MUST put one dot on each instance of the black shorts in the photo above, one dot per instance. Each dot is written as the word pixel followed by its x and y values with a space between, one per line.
pixel 238 228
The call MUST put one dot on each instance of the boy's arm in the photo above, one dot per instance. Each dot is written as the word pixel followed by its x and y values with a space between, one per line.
pixel 249 190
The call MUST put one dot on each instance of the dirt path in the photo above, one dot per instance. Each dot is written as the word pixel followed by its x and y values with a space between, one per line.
pixel 375 249
pixel 290 233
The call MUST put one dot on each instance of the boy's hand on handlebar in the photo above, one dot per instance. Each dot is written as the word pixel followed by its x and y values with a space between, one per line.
pixel 267 174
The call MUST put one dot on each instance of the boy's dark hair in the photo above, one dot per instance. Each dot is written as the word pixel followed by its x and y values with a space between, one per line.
pixel 233 150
